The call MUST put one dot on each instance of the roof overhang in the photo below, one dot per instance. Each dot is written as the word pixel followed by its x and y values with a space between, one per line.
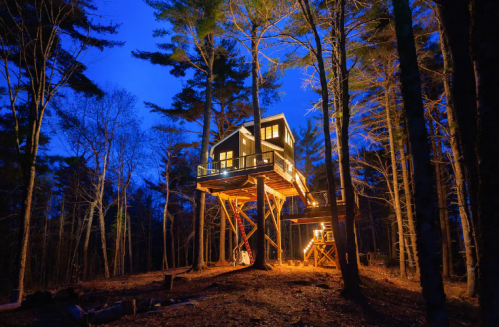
pixel 240 129
pixel 271 118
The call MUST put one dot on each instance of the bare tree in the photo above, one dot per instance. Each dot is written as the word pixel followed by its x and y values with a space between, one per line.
pixel 96 123
pixel 35 66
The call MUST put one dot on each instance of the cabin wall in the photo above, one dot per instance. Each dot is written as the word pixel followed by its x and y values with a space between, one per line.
pixel 280 141
pixel 230 144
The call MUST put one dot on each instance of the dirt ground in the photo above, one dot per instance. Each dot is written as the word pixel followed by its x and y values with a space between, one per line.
pixel 234 296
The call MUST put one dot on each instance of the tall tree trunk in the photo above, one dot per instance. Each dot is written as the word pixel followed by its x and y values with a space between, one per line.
pixel 221 257
pixel 60 243
pixel 130 254
pixel 117 255
pixel 396 193
pixel 172 242
pixel 408 250
pixel 393 237
pixel 454 24
pixel 103 238
pixel 373 228
pixel 27 162
pixel 91 212
pixel 407 189
pixel 426 222
pixel 198 262
pixel 484 47
pixel 343 147
pixel 260 262
pixel 458 169
pixel 441 205
pixel 340 248
pixel 164 264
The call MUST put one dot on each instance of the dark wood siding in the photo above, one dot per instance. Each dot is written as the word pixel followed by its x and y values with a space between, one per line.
pixel 230 144
pixel 279 141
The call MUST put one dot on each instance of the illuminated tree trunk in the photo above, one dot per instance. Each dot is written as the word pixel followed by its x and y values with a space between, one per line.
pixel 431 280
pixel 396 194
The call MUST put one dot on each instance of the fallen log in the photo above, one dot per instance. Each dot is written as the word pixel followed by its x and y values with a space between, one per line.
pixel 9 306
pixel 106 315
pixel 78 314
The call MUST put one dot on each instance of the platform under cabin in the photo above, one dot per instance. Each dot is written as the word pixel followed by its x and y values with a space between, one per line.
pixel 232 173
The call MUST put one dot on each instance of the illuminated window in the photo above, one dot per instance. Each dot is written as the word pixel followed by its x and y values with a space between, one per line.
pixel 262 133
pixel 275 131
pixel 224 159
pixel 289 140
pixel 244 140
pixel 268 133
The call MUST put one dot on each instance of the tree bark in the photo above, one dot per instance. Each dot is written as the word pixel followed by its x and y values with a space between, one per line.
pixel 93 204
pixel 103 238
pixel 484 47
pixel 221 257
pixel 441 205
pixel 407 191
pixel 454 24
pixel 426 229
pixel 198 262
pixel 350 286
pixel 396 193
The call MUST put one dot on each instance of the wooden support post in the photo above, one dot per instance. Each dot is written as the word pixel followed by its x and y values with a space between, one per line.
pixel 222 204
pixel 279 250
pixel 271 210
pixel 315 255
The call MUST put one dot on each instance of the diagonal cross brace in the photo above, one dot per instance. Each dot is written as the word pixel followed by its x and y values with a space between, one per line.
pixel 241 228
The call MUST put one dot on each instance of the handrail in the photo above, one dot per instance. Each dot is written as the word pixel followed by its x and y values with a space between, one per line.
pixel 236 164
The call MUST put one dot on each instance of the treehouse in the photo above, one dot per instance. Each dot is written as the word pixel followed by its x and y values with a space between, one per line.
pixel 231 176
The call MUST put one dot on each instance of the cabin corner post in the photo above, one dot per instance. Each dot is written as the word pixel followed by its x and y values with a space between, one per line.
pixel 279 251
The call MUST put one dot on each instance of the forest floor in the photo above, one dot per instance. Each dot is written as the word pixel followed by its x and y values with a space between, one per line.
pixel 284 296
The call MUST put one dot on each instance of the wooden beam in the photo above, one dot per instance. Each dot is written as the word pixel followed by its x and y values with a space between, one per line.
pixel 242 213
pixel 268 212
pixel 271 242
pixel 271 211
pixel 326 255
pixel 270 190
pixel 227 216
pixel 248 236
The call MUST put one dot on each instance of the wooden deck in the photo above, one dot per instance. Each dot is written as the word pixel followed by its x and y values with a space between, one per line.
pixel 316 215
pixel 241 184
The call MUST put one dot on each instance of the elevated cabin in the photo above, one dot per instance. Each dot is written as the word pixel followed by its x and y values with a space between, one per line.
pixel 237 150
pixel 231 176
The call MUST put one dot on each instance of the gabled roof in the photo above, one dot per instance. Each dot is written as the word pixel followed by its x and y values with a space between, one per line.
pixel 240 129
pixel 271 118
pixel 248 134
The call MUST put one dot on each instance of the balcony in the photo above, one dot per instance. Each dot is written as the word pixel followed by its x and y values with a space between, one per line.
pixel 247 164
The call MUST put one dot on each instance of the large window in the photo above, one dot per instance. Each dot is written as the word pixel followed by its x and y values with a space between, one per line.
pixel 289 140
pixel 270 132
pixel 226 159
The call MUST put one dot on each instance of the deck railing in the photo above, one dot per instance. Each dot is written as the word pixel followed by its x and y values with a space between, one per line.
pixel 252 161
pixel 322 199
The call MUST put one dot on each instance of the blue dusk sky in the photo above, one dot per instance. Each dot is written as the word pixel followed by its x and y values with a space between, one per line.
pixel 154 83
